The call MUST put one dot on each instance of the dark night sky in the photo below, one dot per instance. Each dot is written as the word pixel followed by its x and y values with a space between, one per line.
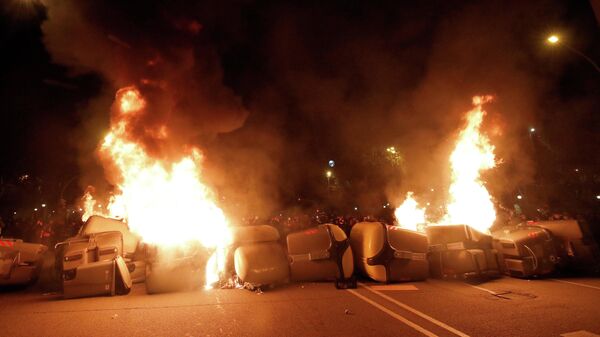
pixel 273 90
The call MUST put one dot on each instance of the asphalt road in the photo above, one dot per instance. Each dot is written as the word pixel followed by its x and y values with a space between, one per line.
pixel 502 307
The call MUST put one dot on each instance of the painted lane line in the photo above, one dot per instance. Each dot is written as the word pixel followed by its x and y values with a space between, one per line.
pixel 482 289
pixel 416 312
pixel 580 333
pixel 395 287
pixel 575 283
pixel 393 314
pixel 491 292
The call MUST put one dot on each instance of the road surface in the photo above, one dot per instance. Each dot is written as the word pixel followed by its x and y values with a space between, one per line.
pixel 501 307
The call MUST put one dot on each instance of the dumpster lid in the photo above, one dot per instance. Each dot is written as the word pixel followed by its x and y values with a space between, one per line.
pixel 123 272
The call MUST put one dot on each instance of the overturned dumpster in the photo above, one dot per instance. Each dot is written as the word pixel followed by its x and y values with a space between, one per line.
pixel 322 253
pixel 389 253
pixel 538 248
pixel 459 251
pixel 20 262
pixel 93 266
pixel 104 258
pixel 175 269
pixel 527 251
pixel 258 256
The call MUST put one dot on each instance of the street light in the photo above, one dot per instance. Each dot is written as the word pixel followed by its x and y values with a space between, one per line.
pixel 532 130
pixel 328 174
pixel 556 41
pixel 553 39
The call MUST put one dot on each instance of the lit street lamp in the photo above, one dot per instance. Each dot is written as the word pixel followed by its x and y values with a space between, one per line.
pixel 328 174
pixel 555 40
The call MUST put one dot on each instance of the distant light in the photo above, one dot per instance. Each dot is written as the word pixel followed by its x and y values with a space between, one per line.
pixel 428 204
pixel 391 150
pixel 432 190
pixel 356 208
pixel 519 197
pixel 331 163
pixel 43 205
pixel 384 206
pixel 99 205
pixel 576 170
pixel 15 213
pixel 553 39
pixel 328 174
pixel 81 210
pixel 598 197
pixel 532 130
pixel 35 209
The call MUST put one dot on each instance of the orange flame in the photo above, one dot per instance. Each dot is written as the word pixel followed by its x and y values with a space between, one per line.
pixel 166 203
pixel 470 202
pixel 409 215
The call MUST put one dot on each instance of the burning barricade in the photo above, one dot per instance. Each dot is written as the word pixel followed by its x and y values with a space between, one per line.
pixel 173 234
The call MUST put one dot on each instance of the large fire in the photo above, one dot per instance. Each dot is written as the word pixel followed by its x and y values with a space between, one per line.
pixel 165 202
pixel 469 201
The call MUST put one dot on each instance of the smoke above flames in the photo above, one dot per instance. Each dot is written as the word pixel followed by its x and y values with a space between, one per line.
pixel 271 92
pixel 161 51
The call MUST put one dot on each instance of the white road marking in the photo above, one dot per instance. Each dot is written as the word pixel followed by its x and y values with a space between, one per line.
pixel 416 312
pixel 393 314
pixel 580 333
pixel 575 283
pixel 400 287
pixel 482 289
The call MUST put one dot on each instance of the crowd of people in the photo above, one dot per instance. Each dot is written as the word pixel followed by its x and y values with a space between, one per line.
pixel 301 220
pixel 47 230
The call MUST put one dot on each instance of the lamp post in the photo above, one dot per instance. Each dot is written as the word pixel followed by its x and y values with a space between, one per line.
pixel 555 40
